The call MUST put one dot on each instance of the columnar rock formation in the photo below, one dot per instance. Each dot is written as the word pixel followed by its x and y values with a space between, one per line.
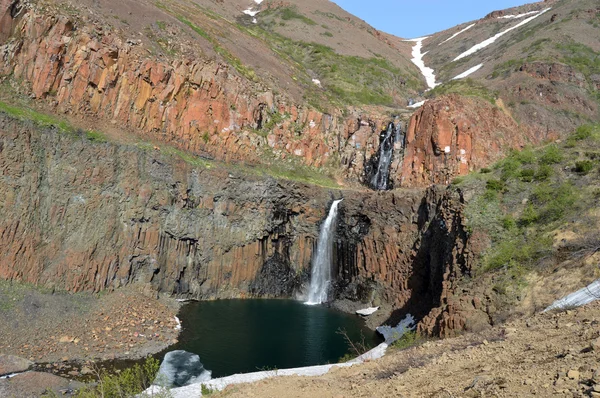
pixel 85 216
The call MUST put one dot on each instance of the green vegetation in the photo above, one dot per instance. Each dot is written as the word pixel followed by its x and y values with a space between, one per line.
pixel 581 57
pixel 205 390
pixel 347 80
pixel 95 136
pixel 329 15
pixel 506 68
pixel 43 120
pixel 526 196
pixel 40 119
pixel 467 87
pixel 289 13
pixel 408 339
pixel 125 384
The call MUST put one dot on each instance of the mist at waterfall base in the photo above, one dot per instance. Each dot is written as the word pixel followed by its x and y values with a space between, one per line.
pixel 320 278
pixel 240 336
pixel 378 169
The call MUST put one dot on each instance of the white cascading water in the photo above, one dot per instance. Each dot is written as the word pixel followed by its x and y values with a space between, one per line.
pixel 320 277
pixel 386 151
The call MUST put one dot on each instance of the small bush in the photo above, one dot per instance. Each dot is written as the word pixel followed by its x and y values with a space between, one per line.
pixel 584 166
pixel 408 339
pixel 485 170
pixel 583 132
pixel 510 168
pixel 526 156
pixel 529 216
pixel 205 390
pixel 543 172
pixel 509 223
pixel 126 384
pixel 527 175
pixel 495 185
pixel 551 155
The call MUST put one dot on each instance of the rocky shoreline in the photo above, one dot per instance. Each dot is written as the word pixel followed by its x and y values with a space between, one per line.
pixel 83 328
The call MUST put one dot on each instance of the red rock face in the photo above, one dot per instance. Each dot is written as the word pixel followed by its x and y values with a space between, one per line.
pixel 199 106
pixel 455 135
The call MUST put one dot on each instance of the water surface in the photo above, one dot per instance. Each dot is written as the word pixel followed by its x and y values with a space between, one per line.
pixel 239 336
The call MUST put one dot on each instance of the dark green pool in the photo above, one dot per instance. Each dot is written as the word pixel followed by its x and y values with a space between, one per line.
pixel 235 336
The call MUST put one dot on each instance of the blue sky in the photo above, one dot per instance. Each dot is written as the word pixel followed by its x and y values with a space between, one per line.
pixel 410 19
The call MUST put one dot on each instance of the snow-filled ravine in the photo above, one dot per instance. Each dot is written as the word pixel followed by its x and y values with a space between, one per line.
pixel 417 59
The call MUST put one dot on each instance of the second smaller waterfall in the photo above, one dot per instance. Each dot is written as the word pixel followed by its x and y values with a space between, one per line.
pixel 320 277
pixel 381 176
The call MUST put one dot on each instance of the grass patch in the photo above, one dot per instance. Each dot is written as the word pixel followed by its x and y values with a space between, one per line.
pixel 466 87
pixel 40 119
pixel 95 136
pixel 289 13
pixel 346 80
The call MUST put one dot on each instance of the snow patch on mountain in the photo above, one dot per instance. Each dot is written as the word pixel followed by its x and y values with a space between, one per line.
pixel 456 34
pixel 468 72
pixel 518 15
pixel 416 105
pixel 491 40
pixel 417 59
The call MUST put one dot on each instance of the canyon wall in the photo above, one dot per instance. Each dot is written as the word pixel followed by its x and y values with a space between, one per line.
pixel 86 216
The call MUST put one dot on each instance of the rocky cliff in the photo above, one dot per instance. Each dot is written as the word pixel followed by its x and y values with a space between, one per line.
pixel 208 108
pixel 87 216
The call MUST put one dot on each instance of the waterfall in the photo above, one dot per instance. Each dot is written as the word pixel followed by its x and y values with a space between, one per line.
pixel 379 180
pixel 321 265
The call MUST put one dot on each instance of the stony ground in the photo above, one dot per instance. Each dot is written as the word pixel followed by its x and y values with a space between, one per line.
pixel 53 328
pixel 545 355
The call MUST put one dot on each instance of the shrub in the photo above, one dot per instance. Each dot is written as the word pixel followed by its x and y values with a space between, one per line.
pixel 128 383
pixel 495 185
pixel 509 223
pixel 543 172
pixel 408 339
pixel 526 156
pixel 551 155
pixel 529 215
pixel 584 166
pixel 527 175
pixel 583 132
pixel 510 168
pixel 485 170
pixel 205 390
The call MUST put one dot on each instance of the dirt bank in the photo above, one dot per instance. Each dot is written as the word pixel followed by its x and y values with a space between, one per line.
pixel 51 327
